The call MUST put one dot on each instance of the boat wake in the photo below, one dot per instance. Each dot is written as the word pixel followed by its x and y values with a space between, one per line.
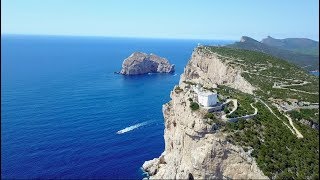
pixel 175 74
pixel 130 128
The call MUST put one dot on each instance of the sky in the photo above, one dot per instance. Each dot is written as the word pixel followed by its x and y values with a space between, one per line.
pixel 186 19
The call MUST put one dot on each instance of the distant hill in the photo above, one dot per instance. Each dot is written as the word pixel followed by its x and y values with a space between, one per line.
pixel 300 45
pixel 306 61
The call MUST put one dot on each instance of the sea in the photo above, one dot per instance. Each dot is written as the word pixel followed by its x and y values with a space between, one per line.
pixel 65 114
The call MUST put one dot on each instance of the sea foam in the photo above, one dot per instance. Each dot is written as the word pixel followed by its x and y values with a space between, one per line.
pixel 130 128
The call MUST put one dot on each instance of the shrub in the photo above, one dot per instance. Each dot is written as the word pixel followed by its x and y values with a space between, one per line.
pixel 189 82
pixel 190 99
pixel 178 89
pixel 245 149
pixel 226 110
pixel 194 106
pixel 210 116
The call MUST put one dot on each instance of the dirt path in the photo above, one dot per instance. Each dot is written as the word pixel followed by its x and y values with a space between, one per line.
pixel 235 102
pixel 300 84
pixel 255 109
pixel 299 135
pixel 235 107
pixel 294 130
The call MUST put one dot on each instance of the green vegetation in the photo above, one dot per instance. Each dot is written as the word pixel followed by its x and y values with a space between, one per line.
pixel 310 62
pixel 211 118
pixel 308 87
pixel 268 91
pixel 310 51
pixel 307 114
pixel 279 154
pixel 209 89
pixel 274 70
pixel 299 45
pixel 244 101
pixel 194 106
pixel 244 107
pixel 178 89
pixel 220 98
pixel 239 112
pixel 189 82
pixel 226 109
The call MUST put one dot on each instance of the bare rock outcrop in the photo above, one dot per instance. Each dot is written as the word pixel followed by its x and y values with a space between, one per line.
pixel 209 70
pixel 194 149
pixel 142 63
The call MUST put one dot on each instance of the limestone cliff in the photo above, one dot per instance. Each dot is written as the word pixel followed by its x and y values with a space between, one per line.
pixel 193 148
pixel 142 63
pixel 209 70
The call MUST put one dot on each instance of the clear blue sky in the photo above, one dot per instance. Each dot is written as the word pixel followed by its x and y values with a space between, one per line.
pixel 197 19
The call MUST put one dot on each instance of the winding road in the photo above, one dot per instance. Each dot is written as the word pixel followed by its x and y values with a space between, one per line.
pixel 285 87
pixel 235 107
pixel 235 102
pixel 276 86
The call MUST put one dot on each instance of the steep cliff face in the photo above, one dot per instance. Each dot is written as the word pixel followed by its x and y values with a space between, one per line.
pixel 142 63
pixel 194 148
pixel 209 70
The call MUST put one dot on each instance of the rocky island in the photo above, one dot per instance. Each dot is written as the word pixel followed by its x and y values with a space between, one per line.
pixel 142 63
pixel 250 137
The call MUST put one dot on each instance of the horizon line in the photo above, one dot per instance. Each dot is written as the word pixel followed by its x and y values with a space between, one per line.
pixel 145 37
pixel 108 36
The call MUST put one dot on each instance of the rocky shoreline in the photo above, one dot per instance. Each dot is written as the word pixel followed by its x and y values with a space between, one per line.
pixel 141 63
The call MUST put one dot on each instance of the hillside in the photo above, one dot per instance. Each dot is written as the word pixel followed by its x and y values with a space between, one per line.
pixel 263 127
pixel 299 45
pixel 308 62
pixel 278 153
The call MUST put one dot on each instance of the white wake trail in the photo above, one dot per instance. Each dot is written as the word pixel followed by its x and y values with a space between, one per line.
pixel 130 128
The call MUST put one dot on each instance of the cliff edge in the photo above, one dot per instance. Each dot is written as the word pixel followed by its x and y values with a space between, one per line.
pixel 142 63
pixel 195 149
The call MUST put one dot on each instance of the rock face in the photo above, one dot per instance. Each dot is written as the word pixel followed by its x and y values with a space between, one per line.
pixel 208 70
pixel 194 149
pixel 142 63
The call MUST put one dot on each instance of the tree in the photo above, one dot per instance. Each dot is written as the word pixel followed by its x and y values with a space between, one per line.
pixel 194 106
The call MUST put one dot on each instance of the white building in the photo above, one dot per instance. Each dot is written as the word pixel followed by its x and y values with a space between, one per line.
pixel 207 99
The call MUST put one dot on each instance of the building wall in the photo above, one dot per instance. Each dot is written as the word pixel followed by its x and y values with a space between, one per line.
pixel 203 100
pixel 211 100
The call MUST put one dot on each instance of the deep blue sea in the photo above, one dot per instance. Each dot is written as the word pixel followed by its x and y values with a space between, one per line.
pixel 62 105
